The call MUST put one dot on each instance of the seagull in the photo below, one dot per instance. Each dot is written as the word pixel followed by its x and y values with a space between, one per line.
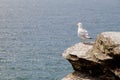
pixel 82 33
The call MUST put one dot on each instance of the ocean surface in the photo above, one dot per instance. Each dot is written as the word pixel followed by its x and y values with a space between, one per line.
pixel 35 33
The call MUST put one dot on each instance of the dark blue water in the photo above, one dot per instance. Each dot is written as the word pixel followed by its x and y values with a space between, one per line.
pixel 34 34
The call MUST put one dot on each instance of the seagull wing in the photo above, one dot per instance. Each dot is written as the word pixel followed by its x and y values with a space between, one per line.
pixel 83 33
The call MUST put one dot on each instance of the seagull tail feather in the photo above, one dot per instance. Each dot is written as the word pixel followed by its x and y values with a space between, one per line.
pixel 90 38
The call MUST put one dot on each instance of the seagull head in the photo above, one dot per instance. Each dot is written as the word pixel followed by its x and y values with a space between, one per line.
pixel 79 24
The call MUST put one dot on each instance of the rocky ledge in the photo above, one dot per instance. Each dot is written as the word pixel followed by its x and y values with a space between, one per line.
pixel 95 61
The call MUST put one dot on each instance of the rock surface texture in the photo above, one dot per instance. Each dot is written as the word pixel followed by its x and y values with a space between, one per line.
pixel 97 61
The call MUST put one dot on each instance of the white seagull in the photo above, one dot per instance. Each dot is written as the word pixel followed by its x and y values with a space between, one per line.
pixel 82 33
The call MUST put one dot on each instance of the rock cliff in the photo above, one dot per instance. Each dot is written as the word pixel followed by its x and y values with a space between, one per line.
pixel 97 61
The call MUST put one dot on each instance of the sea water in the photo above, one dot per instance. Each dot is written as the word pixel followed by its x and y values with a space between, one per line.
pixel 34 34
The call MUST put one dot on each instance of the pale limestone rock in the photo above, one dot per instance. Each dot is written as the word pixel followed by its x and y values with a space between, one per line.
pixel 99 60
pixel 77 51
pixel 107 43
pixel 114 37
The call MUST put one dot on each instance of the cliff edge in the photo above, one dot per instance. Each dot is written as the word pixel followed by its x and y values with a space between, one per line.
pixel 97 61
